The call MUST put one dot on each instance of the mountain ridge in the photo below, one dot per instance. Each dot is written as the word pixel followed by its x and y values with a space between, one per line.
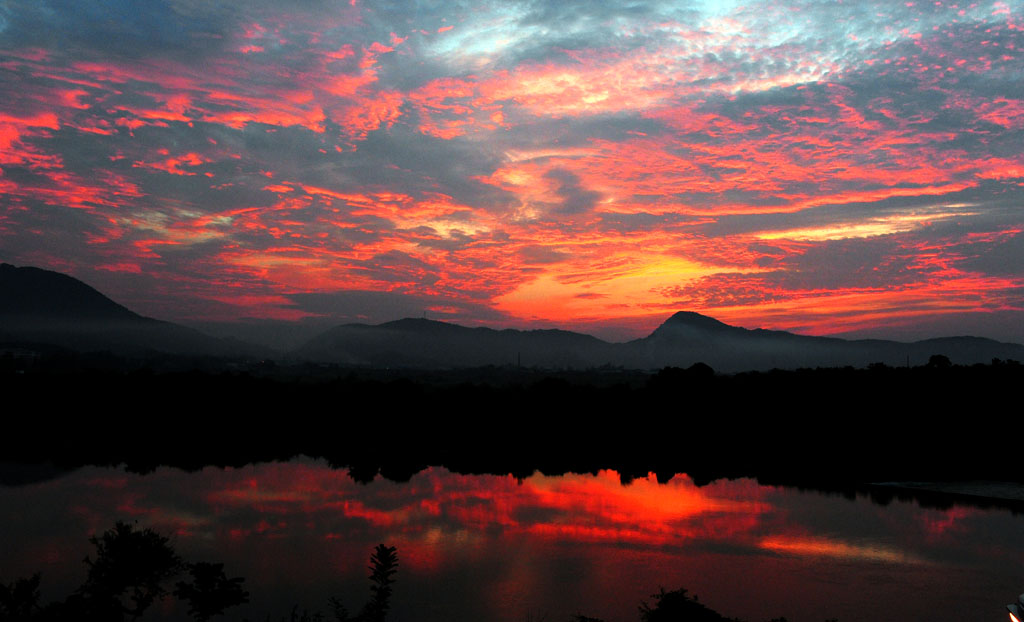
pixel 685 338
pixel 46 307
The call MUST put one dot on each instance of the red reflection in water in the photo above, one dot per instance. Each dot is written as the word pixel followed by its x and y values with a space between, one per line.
pixel 489 547
pixel 571 507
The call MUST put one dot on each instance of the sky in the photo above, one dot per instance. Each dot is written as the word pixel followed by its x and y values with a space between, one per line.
pixel 825 167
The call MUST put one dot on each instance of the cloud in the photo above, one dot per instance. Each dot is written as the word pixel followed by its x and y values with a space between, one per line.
pixel 575 199
pixel 535 161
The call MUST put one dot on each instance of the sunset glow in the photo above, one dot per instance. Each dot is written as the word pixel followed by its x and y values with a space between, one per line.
pixel 822 167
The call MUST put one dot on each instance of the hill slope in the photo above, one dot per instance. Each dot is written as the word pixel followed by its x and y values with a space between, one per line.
pixel 45 307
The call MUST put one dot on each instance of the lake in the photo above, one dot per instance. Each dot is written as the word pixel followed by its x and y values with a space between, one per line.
pixel 496 548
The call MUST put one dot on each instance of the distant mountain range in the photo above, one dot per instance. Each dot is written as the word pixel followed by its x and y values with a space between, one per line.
pixel 425 343
pixel 684 339
pixel 43 307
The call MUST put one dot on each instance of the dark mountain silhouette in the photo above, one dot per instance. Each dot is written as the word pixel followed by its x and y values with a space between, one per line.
pixel 687 337
pixel 41 308
pixel 430 344
pixel 684 339
pixel 45 295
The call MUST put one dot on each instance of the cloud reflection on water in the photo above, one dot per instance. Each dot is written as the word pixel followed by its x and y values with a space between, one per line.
pixel 492 546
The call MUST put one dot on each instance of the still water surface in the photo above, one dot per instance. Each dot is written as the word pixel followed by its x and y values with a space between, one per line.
pixel 545 548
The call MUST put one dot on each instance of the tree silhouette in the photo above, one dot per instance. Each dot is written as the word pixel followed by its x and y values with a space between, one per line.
pixel 676 606
pixel 210 591
pixel 383 566
pixel 20 600
pixel 128 573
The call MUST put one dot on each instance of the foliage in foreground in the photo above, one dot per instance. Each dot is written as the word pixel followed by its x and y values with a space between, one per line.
pixel 134 568
pixel 676 606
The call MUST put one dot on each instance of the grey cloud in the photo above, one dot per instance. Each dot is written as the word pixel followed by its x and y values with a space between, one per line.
pixel 642 221
pixel 990 202
pixel 541 132
pixel 405 159
pixel 542 255
pixel 999 324
pixel 182 29
pixel 837 264
pixel 543 29
pixel 999 259
pixel 575 198
pixel 454 241
pixel 398 267
pixel 580 24
pixel 116 27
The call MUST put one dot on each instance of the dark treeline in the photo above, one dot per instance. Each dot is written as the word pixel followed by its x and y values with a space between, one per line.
pixel 833 429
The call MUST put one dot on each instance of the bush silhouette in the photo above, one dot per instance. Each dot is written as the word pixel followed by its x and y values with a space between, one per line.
pixel 676 606
pixel 131 571
pixel 128 574
pixel 210 591
pixel 20 600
